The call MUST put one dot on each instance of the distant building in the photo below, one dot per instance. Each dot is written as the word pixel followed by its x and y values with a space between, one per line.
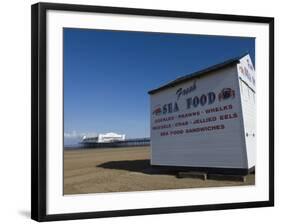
pixel 109 140
pixel 103 138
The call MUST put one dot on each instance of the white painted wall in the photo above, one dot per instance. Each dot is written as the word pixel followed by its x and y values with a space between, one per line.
pixel 222 148
pixel 248 103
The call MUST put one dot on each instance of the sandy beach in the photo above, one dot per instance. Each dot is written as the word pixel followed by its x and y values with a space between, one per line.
pixel 123 170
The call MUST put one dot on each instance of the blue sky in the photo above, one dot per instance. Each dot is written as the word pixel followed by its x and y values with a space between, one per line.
pixel 107 74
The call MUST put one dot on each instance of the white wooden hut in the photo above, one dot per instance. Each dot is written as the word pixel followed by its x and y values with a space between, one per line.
pixel 207 120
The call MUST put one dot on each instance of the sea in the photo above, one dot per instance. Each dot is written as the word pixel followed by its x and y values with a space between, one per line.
pixel 72 143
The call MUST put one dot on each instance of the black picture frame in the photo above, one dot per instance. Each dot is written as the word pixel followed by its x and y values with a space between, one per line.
pixel 39 122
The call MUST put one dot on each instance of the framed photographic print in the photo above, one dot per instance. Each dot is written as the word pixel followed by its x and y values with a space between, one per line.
pixel 139 111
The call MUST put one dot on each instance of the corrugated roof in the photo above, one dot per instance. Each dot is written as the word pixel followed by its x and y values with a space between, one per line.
pixel 197 74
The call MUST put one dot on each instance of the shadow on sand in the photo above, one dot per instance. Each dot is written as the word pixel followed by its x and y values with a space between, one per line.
pixel 141 166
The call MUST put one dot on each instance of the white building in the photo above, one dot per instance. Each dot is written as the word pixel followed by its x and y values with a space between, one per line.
pixel 103 138
pixel 207 120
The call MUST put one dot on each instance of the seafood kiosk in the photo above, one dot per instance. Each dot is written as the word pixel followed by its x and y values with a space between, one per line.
pixel 206 121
